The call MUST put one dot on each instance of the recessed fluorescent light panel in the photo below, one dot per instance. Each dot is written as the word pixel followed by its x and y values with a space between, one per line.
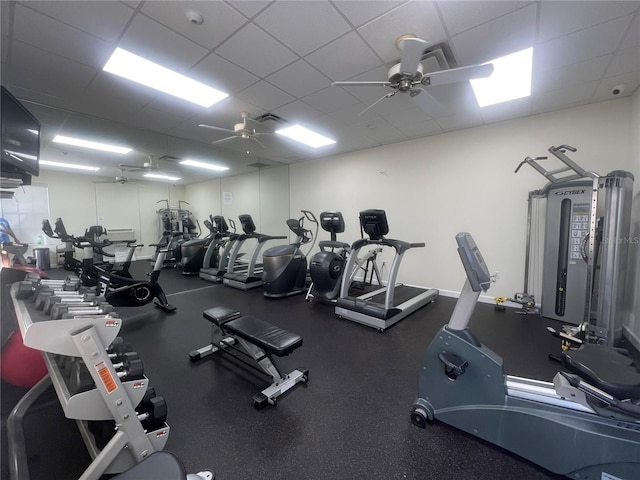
pixel 69 165
pixel 208 166
pixel 511 79
pixel 161 177
pixel 306 136
pixel 140 70
pixel 78 142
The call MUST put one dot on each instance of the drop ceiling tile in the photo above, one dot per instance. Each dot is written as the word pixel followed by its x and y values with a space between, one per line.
pixel 561 18
pixel 158 120
pixel 581 72
pixel 632 36
pixel 363 11
pixel 299 79
pixel 625 61
pixel 6 12
pixel 343 58
pixel 104 19
pixel 255 51
pixel 297 112
pixel 319 21
pixel 631 81
pixel 379 130
pixel 416 17
pixel 249 8
pixel 353 114
pixel 407 117
pixel 590 42
pixel 155 42
pixel 459 16
pixel 28 63
pixel 460 121
pixel 265 96
pixel 220 20
pixel 51 35
pixel 219 73
pixel 114 97
pixel 421 129
pixel 563 97
pixel 330 99
pixel 506 111
pixel 507 34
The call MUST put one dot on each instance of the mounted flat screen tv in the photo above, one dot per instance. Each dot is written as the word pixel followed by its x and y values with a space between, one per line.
pixel 20 137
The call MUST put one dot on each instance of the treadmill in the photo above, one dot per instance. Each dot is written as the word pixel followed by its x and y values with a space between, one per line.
pixel 241 273
pixel 214 264
pixel 389 304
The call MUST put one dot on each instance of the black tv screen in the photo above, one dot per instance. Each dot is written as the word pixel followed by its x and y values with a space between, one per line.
pixel 20 137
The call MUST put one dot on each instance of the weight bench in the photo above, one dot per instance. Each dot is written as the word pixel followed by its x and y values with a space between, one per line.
pixel 258 340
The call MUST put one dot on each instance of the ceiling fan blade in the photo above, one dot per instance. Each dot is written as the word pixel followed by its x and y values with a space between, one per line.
pixel 425 101
pixel 211 127
pixel 379 84
pixel 388 95
pixel 224 139
pixel 258 142
pixel 455 75
pixel 412 50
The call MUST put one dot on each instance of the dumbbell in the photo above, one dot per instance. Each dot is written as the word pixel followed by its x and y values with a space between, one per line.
pixel 151 411
pixel 80 379
pixel 27 288
pixel 40 297
pixel 120 352
pixel 89 298
pixel 71 310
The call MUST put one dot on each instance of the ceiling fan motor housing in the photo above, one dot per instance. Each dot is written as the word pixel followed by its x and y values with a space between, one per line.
pixel 395 75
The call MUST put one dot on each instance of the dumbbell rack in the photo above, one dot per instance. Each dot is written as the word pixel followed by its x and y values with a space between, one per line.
pixel 112 399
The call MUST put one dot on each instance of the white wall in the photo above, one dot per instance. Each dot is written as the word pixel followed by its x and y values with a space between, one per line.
pixel 632 303
pixel 81 203
pixel 432 188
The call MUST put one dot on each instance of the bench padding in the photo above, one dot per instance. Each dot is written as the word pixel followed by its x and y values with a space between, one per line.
pixel 220 315
pixel 270 338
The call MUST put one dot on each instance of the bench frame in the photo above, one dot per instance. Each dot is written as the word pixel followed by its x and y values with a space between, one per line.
pixel 232 344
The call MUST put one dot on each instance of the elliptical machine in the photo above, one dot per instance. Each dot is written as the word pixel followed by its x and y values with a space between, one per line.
pixel 585 425
pixel 285 266
pixel 327 265
pixel 192 251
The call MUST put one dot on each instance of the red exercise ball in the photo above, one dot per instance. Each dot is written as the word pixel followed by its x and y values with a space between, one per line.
pixel 19 365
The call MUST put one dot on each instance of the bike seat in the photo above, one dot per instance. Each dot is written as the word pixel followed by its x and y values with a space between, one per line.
pixel 605 368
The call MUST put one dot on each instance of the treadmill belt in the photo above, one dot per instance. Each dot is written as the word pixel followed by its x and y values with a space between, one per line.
pixel 401 294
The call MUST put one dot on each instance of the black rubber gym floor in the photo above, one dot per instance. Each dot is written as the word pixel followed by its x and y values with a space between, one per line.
pixel 351 421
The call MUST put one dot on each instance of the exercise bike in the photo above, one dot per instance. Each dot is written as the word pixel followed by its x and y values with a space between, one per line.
pixel 585 425
pixel 285 266
pixel 327 265
pixel 118 291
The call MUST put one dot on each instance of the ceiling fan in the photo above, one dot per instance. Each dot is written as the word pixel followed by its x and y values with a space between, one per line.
pixel 149 166
pixel 240 130
pixel 408 75
pixel 121 179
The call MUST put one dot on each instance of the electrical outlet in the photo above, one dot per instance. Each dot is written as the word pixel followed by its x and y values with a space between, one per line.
pixel 496 275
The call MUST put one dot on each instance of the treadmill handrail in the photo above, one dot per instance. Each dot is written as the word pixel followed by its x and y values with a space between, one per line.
pixel 399 245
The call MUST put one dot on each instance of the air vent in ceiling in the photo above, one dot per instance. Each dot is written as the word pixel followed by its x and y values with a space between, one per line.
pixel 269 117
pixel 438 57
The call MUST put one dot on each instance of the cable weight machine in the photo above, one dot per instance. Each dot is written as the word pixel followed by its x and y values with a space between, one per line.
pixel 586 225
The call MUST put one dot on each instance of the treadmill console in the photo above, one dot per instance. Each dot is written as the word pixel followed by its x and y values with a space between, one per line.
pixel 246 221
pixel 474 266
pixel 374 223
pixel 221 224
